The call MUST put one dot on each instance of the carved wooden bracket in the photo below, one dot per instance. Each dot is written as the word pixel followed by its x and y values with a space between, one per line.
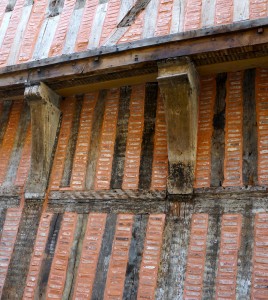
pixel 45 116
pixel 179 86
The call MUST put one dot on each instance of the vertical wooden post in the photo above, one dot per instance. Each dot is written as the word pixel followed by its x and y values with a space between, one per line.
pixel 45 117
pixel 179 85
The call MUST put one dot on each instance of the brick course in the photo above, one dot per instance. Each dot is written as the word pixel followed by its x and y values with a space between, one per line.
pixel 192 19
pixel 224 11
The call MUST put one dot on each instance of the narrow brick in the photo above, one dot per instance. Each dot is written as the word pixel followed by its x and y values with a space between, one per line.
pixel 224 11
pixel 67 108
pixel 151 257
pixel 260 262
pixel 32 30
pixel 37 257
pixel 164 18
pixel 59 266
pixel 89 256
pixel 193 15
pixel 134 140
pixel 234 131
pixel 231 226
pixel 160 155
pixel 193 285
pixel 63 25
pixel 86 25
pixel 11 32
pixel 7 242
pixel 261 96
pixel 9 138
pixel 107 142
pixel 25 160
pixel 119 257
pixel 205 129
pixel 258 9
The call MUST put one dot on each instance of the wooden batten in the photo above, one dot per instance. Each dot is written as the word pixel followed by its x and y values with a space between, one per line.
pixel 178 81
pixel 45 117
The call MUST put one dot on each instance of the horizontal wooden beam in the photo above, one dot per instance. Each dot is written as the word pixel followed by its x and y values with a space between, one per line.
pixel 209 46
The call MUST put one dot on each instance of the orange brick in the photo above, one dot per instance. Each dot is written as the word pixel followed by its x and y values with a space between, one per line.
pixel 151 257
pixel 67 108
pixel 234 131
pixel 195 267
pixel 32 30
pixel 119 257
pixel 134 138
pixel 134 32
pixel 260 250
pixel 193 12
pixel 205 129
pixel 83 142
pixel 25 161
pixel 228 256
pixel 85 26
pixel 9 138
pixel 61 258
pixel 108 134
pixel 37 256
pixel 258 9
pixel 261 92
pixel 111 19
pixel 160 158
pixel 62 28
pixel 224 12
pixel 164 17
pixel 7 242
pixel 10 33
pixel 89 256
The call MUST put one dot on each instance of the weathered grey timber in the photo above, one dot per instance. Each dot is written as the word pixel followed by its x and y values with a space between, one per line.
pixel 179 86
pixel 218 140
pixel 19 264
pixel 250 155
pixel 45 117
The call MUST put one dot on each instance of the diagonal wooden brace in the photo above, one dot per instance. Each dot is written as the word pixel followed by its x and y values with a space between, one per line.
pixel 179 86
pixel 45 117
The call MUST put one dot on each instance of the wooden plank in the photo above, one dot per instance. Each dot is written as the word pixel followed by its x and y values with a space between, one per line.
pixel 241 10
pixel 147 147
pixel 150 19
pixel 124 8
pixel 250 144
pixel 71 36
pixel 178 12
pixel 95 140
pixel 45 37
pixel 4 26
pixel 97 25
pixel 217 144
pixel 208 12
pixel 3 9
pixel 22 25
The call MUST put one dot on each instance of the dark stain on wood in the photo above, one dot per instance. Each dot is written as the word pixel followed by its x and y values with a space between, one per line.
pixel 21 257
pixel 67 172
pixel 104 258
pixel 2 220
pixel 4 119
pixel 249 129
pixel 95 139
pixel 135 257
pixel 147 148
pixel 55 7
pixel 121 138
pixel 180 175
pixel 218 142
pixel 49 254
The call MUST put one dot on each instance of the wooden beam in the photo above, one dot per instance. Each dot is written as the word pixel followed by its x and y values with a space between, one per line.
pixel 207 46
pixel 45 117
pixel 179 85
